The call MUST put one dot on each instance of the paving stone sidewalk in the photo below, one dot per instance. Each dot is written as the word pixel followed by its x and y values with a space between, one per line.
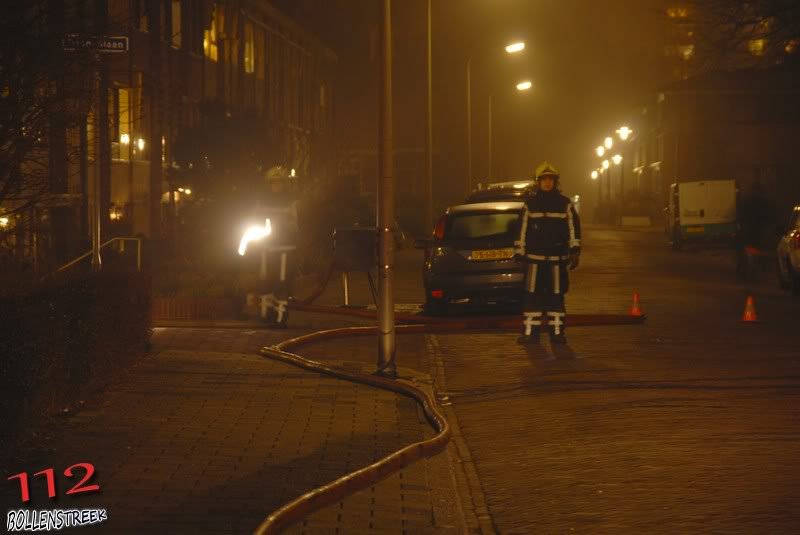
pixel 206 436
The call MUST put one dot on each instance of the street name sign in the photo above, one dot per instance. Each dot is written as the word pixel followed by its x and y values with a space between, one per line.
pixel 96 43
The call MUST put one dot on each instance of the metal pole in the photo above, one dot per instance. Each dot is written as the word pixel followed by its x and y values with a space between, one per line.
pixel 429 135
pixel 386 334
pixel 469 125
pixel 99 117
pixel 346 288
pixel 491 174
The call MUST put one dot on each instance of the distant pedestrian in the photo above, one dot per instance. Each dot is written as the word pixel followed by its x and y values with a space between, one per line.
pixel 755 218
pixel 550 243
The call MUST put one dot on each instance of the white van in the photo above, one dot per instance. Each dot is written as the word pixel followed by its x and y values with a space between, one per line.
pixel 701 211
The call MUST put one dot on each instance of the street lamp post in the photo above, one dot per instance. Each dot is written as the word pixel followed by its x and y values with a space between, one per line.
pixel 521 86
pixel 386 326
pixel 513 48
pixel 429 132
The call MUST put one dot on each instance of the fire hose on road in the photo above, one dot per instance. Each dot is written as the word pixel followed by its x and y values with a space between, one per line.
pixel 348 484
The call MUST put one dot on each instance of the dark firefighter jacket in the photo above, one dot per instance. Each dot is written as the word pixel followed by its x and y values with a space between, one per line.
pixel 550 227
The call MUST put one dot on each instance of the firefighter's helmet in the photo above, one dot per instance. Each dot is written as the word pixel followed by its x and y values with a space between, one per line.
pixel 546 169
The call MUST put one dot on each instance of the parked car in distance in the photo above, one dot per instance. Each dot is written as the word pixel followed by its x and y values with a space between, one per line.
pixel 788 254
pixel 502 191
pixel 702 211
pixel 470 259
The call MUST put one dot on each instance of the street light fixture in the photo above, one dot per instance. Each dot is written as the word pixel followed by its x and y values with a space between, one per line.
pixel 513 48
pixel 524 86
pixel 608 142
pixel 605 164
pixel 594 175
pixel 600 150
pixel 616 159
pixel 624 132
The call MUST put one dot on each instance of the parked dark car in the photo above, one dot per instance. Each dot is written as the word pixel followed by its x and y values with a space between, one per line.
pixel 502 191
pixel 470 258
pixel 788 254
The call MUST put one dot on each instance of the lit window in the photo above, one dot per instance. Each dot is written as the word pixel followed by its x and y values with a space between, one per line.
pixel 176 23
pixel 677 12
pixel 686 52
pixel 757 47
pixel 210 35
pixel 249 48
pixel 124 123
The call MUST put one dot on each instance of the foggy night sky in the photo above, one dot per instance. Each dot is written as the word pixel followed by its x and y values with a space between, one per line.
pixel 593 65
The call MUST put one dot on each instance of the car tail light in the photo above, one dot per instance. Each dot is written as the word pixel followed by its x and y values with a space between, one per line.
pixel 438 232
pixel 437 294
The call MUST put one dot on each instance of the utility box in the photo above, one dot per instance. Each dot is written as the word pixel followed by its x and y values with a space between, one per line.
pixel 355 249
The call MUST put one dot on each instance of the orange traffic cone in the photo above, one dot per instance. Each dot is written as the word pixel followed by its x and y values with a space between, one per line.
pixel 749 315
pixel 636 308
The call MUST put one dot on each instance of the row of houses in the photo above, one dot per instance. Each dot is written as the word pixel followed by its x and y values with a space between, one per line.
pixel 243 56
pixel 741 125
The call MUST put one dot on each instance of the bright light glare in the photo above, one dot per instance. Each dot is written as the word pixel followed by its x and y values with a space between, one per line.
pixel 3 222
pixel 608 142
pixel 524 86
pixel 252 234
pixel 521 185
pixel 125 139
pixel 515 47
pixel 617 158
pixel 140 143
pixel 594 175
pixel 624 132
pixel 600 151
pixel 292 173
pixel 187 191
pixel 605 164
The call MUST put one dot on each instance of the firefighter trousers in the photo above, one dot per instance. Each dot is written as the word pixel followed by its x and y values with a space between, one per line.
pixel 275 299
pixel 546 282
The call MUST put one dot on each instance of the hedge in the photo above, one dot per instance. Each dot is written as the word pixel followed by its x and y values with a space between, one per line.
pixel 62 340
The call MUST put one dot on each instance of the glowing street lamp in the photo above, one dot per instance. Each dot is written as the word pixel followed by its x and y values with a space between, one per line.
pixel 600 150
pixel 254 233
pixel 624 132
pixel 616 159
pixel 513 48
pixel 595 175
pixel 524 86
pixel 605 164
pixel 608 142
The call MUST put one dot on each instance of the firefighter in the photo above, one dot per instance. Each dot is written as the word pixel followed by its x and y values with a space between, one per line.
pixel 549 243
pixel 279 205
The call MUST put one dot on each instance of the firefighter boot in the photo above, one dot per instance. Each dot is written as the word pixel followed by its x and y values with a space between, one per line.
pixel 526 339
pixel 558 338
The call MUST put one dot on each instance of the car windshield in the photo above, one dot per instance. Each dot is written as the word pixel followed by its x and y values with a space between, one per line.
pixel 482 225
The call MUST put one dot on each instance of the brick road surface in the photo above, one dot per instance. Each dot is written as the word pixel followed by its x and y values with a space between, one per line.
pixel 688 424
pixel 205 436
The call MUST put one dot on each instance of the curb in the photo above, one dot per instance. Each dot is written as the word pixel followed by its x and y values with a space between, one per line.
pixel 470 322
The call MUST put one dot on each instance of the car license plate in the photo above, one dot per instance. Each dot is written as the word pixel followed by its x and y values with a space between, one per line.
pixel 492 254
